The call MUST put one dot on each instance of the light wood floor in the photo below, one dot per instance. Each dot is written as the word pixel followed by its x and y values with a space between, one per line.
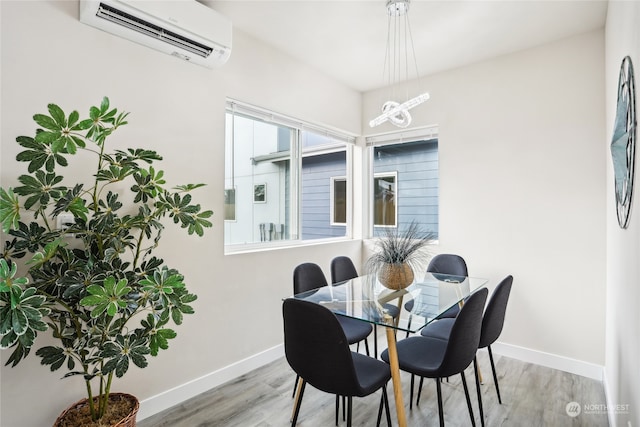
pixel 532 396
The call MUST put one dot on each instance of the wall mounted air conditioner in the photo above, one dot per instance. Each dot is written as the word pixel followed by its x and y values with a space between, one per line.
pixel 183 28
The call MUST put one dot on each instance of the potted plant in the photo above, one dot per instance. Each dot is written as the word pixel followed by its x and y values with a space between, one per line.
pixel 397 253
pixel 91 276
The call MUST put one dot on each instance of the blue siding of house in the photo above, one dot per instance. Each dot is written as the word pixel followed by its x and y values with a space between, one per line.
pixel 417 184
pixel 317 172
pixel 416 165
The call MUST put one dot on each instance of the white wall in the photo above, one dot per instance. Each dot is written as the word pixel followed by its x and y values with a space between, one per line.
pixel 522 187
pixel 623 246
pixel 176 108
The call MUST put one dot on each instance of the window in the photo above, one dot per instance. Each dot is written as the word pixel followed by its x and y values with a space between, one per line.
pixel 230 204
pixel 338 200
pixel 283 175
pixel 385 208
pixel 404 179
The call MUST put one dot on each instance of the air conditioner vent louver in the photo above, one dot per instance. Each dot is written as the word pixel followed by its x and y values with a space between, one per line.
pixel 122 18
pixel 185 29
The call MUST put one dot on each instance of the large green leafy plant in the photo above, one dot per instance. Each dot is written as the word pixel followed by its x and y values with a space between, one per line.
pixel 93 282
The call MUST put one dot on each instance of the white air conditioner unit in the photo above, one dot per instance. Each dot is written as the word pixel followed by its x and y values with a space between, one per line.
pixel 183 28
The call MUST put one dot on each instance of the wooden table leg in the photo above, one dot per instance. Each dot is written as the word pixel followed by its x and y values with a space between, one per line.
pixel 295 401
pixel 395 373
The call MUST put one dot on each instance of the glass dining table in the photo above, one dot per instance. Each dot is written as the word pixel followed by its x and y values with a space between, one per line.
pixel 406 310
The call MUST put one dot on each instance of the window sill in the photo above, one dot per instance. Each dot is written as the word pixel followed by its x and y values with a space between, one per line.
pixel 279 245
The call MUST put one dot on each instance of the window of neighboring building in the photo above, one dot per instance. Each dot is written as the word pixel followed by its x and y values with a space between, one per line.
pixel 281 171
pixel 384 200
pixel 404 179
pixel 339 200
pixel 230 204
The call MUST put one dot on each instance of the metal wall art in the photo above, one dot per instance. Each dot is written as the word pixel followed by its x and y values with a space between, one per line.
pixel 623 143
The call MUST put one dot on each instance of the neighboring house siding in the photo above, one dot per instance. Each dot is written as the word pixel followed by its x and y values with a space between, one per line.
pixel 417 186
pixel 316 192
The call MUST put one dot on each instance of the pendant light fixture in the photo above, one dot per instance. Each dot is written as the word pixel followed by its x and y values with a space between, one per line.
pixel 396 67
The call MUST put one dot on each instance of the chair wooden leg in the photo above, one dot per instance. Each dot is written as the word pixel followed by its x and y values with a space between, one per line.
pixel 299 382
pixel 475 371
pixel 296 411
pixel 466 394
pixel 349 405
pixel 380 409
pixel 295 387
pixel 495 376
pixel 440 411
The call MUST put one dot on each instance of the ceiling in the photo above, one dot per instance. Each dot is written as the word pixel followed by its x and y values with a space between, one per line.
pixel 347 39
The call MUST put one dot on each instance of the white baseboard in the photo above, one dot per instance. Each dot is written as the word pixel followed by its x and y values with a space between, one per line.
pixel 179 394
pixel 566 364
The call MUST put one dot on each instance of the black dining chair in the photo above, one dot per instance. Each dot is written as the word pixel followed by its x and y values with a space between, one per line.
pixel 317 349
pixel 492 324
pixel 438 358
pixel 308 276
pixel 450 264
pixel 343 269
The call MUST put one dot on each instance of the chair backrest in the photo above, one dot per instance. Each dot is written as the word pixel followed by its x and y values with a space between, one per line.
pixel 308 276
pixel 317 349
pixel 448 264
pixel 493 319
pixel 465 335
pixel 342 269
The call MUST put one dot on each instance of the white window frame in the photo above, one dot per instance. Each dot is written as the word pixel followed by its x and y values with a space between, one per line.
pixel 258 113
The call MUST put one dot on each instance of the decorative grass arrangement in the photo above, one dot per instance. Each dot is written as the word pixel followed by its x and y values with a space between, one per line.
pixel 398 253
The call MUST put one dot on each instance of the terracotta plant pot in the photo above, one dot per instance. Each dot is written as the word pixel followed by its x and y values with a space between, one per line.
pixel 396 276
pixel 80 409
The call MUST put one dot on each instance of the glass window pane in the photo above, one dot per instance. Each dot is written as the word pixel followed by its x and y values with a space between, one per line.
pixel 279 181
pixel 258 158
pixel 315 203
pixel 384 200
pixel 230 205
pixel 406 185
pixel 339 201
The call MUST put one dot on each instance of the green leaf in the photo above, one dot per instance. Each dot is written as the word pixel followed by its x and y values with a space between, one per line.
pixel 19 321
pixel 9 210
pixel 109 298
pixel 41 187
pixel 73 119
pixel 21 312
pixel 58 115
pixel 53 356
pixel 46 122
pixel 189 187
pixel 49 252
pixel 8 340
